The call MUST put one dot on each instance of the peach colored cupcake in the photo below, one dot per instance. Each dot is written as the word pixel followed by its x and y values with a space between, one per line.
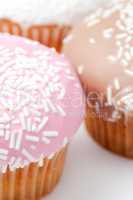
pixel 101 48
pixel 40 95
pixel 42 20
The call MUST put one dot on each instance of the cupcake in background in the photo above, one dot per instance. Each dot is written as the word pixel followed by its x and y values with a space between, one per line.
pixel 41 108
pixel 47 21
pixel 101 48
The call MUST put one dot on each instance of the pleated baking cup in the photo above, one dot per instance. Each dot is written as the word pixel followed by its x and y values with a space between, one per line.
pixel 34 181
pixel 114 135
pixel 51 35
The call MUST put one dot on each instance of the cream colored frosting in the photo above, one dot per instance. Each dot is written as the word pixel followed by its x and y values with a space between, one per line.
pixel 101 48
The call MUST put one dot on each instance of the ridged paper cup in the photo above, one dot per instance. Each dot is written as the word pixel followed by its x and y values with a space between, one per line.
pixel 51 35
pixel 33 181
pixel 109 126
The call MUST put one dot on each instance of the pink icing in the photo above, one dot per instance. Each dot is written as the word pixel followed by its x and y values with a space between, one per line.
pixel 41 104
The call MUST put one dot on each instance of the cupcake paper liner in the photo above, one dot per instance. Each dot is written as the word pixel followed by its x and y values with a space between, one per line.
pixel 51 35
pixel 33 181
pixel 115 136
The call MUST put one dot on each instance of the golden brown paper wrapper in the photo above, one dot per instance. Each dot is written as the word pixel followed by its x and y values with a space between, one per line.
pixel 116 136
pixel 50 35
pixel 34 181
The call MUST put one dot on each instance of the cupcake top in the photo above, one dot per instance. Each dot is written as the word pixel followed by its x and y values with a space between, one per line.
pixel 41 102
pixel 29 12
pixel 101 48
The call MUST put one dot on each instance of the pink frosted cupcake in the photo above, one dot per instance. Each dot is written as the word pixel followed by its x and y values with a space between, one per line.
pixel 102 50
pixel 41 108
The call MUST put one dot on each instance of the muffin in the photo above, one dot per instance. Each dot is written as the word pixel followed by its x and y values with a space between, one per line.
pixel 101 48
pixel 41 107
pixel 42 20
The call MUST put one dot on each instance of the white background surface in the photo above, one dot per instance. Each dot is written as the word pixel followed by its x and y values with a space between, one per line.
pixel 92 173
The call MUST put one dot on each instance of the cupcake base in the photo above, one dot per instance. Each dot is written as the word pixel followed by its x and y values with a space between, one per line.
pixel 116 136
pixel 50 35
pixel 33 181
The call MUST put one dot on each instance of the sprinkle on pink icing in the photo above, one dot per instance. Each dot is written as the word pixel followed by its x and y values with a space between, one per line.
pixel 41 104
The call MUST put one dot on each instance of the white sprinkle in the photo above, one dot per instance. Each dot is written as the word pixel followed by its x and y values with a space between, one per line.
pixel 19 140
pixel 109 96
pixel 68 71
pixel 65 142
pixel 7 135
pixel 70 77
pixel 92 41
pixel 60 109
pixel 51 106
pixel 34 128
pixel 51 156
pixel 118 43
pixel 121 36
pixel 120 51
pixel 93 22
pixel 41 161
pixel 26 113
pixel 62 94
pixel 128 56
pixel 127 98
pixel 27 155
pixel 108 33
pixel 68 39
pixel 119 25
pixel 35 106
pixel 2 126
pixel 22 120
pixel 3 157
pixel 29 124
pixel 124 62
pixel 112 58
pixel 3 151
pixel 32 138
pixel 1 132
pixel 46 140
pixel 12 140
pixel 19 50
pixel 117 84
pixel 36 112
pixel 80 69
pixel 131 51
pixel 50 133
pixel 15 140
pixel 3 154
pixel 129 72
pixel 16 121
pixel 128 39
pixel 37 119
pixel 43 123
pixel 7 118
pixel 46 108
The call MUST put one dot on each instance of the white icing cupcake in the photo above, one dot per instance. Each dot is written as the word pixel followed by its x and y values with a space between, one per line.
pixel 101 49
pixel 46 21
